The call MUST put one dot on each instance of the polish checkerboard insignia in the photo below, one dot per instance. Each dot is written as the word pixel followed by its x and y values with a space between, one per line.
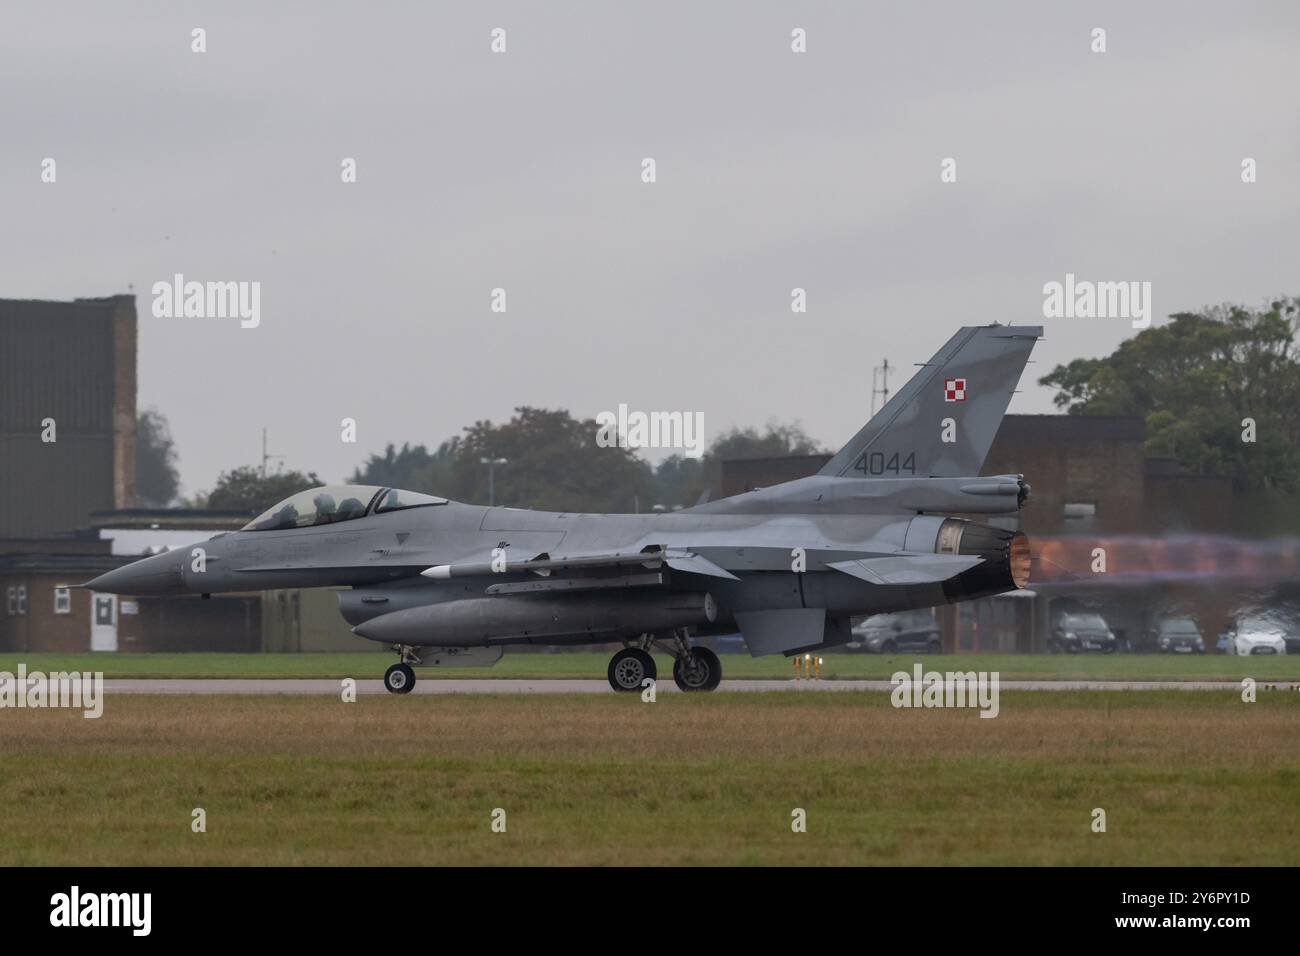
pixel 954 390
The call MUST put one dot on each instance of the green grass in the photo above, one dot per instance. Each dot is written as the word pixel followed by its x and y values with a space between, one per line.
pixel 1184 779
pixel 592 664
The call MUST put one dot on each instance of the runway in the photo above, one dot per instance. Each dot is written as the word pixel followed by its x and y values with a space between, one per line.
pixel 442 686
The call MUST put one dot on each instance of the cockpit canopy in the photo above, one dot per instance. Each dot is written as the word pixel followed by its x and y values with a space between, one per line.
pixel 333 503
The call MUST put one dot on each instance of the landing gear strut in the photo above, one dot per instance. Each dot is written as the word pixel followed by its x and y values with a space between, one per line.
pixel 400 678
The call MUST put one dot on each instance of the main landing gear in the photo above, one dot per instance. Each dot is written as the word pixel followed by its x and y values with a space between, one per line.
pixel 629 667
pixel 400 678
pixel 694 668
pixel 698 669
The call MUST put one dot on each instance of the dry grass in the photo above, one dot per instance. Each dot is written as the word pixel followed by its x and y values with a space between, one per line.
pixel 1185 778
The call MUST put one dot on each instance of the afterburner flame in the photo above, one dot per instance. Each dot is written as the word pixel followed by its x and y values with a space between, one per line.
pixel 1020 560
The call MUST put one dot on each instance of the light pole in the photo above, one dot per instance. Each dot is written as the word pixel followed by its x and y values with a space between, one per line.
pixel 492 477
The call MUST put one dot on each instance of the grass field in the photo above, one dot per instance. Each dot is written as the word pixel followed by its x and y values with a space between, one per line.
pixel 593 664
pixel 1185 778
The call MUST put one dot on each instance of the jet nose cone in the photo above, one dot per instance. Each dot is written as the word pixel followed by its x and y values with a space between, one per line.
pixel 157 574
pixel 110 582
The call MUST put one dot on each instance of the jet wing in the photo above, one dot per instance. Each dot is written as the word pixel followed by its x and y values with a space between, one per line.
pixel 908 569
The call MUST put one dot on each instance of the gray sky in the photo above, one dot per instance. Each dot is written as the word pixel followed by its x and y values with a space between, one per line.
pixel 522 170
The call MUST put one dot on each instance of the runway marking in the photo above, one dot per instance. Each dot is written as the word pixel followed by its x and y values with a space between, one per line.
pixel 473 685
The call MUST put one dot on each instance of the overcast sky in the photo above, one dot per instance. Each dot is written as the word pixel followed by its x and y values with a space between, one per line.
pixel 522 170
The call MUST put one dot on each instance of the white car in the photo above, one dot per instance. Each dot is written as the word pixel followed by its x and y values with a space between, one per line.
pixel 1255 639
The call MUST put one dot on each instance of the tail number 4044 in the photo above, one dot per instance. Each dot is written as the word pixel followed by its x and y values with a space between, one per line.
pixel 886 463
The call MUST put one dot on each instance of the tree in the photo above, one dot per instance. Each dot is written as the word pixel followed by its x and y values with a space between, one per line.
pixel 776 441
pixel 679 481
pixel 246 489
pixel 682 480
pixel 157 479
pixel 1194 381
pixel 412 468
pixel 553 464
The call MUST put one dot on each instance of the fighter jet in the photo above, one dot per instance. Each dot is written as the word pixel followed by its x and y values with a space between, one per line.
pixel 885 526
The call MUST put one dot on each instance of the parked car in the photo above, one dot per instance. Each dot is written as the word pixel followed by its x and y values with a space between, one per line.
pixel 912 632
pixel 1081 631
pixel 1178 635
pixel 1256 638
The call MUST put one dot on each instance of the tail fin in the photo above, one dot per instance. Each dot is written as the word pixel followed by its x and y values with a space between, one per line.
pixel 960 394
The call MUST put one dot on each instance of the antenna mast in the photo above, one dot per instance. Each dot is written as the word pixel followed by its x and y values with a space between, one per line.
pixel 880 386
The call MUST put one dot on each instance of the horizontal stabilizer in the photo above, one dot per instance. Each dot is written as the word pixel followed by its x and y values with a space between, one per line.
pixel 908 569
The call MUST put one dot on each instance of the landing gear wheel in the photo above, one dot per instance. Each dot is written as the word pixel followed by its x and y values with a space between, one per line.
pixel 699 669
pixel 629 668
pixel 399 679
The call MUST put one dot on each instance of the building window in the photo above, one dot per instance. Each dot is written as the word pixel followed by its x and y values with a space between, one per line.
pixel 22 599
pixel 62 600
pixel 11 600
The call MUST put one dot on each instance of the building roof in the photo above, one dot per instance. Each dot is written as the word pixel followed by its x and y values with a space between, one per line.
pixel 68 542
pixel 189 519
pixel 35 562
pixel 1074 427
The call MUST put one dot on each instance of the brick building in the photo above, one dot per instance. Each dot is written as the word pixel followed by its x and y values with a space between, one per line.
pixel 1086 471
pixel 46 611
pixel 41 608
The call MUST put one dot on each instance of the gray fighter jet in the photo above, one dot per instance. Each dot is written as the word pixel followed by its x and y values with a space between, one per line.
pixel 884 526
